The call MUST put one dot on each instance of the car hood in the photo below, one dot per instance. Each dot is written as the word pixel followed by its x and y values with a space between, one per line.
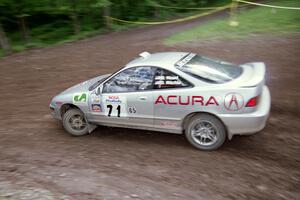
pixel 84 86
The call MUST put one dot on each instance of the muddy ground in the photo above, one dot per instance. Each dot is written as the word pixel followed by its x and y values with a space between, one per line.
pixel 39 160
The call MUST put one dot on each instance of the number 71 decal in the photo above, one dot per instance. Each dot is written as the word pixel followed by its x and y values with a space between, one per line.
pixel 110 110
pixel 115 106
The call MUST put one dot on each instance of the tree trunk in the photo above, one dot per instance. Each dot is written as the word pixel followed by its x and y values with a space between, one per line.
pixel 4 42
pixel 106 13
pixel 89 8
pixel 156 12
pixel 74 17
pixel 24 30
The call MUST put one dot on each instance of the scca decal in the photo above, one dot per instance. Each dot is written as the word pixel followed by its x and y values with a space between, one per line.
pixel 188 100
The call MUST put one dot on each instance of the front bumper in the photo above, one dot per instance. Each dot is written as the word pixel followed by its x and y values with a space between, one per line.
pixel 55 112
pixel 249 123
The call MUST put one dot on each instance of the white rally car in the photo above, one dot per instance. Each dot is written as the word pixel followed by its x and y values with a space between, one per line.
pixel 206 99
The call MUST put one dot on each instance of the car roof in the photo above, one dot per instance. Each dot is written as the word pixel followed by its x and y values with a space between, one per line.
pixel 164 59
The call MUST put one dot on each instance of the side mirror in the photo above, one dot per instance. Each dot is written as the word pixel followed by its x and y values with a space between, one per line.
pixel 99 90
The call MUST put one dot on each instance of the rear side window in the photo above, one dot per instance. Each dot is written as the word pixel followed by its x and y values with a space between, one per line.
pixel 166 79
pixel 208 70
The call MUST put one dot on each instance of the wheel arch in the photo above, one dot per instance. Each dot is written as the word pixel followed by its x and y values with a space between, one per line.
pixel 189 116
pixel 67 106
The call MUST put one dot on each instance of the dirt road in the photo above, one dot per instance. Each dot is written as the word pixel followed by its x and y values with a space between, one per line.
pixel 39 160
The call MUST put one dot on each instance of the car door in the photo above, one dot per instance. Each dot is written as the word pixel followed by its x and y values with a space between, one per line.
pixel 126 99
pixel 171 103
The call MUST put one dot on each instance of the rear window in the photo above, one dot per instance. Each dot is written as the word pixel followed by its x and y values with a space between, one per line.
pixel 208 69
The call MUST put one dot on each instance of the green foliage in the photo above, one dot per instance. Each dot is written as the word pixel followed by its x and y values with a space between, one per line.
pixel 38 23
pixel 257 20
pixel 100 3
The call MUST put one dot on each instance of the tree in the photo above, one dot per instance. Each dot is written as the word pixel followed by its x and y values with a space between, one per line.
pixel 4 41
pixel 104 8
pixel 23 27
pixel 74 17
pixel 19 10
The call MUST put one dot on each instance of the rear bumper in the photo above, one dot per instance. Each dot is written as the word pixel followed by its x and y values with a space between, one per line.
pixel 249 123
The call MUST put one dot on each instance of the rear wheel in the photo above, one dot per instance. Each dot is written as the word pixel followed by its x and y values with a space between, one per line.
pixel 205 132
pixel 74 122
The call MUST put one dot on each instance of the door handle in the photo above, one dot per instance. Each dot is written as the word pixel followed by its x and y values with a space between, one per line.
pixel 143 98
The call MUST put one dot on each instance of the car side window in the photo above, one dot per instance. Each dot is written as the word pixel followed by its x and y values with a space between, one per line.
pixel 166 79
pixel 131 80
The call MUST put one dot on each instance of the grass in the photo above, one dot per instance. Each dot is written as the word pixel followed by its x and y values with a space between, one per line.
pixel 255 21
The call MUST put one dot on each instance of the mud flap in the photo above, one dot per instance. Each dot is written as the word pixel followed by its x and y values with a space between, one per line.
pixel 91 127
pixel 230 136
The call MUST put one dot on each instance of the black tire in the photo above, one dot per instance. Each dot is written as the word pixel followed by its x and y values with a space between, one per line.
pixel 209 125
pixel 69 117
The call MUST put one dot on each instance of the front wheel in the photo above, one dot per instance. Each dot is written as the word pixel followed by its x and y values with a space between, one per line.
pixel 74 122
pixel 205 132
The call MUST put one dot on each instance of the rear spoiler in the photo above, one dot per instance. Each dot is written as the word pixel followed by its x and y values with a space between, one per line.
pixel 258 74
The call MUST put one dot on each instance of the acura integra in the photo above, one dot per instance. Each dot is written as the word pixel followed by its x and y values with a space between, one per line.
pixel 206 99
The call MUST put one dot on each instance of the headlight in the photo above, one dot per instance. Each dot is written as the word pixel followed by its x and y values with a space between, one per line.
pixel 52 105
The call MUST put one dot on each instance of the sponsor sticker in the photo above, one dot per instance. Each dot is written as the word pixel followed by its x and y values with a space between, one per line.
pixel 113 100
pixel 167 80
pixel 172 78
pixel 131 109
pixel 159 82
pixel 169 123
pixel 96 108
pixel 80 97
pixel 159 78
pixel 173 82
pixel 96 100
pixel 185 60
pixel 114 106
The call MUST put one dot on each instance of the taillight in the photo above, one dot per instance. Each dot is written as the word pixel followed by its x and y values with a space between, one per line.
pixel 252 102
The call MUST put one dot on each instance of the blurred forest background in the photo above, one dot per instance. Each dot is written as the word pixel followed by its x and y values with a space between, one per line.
pixel 39 23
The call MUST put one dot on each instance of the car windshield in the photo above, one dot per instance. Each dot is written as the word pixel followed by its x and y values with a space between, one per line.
pixel 208 70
